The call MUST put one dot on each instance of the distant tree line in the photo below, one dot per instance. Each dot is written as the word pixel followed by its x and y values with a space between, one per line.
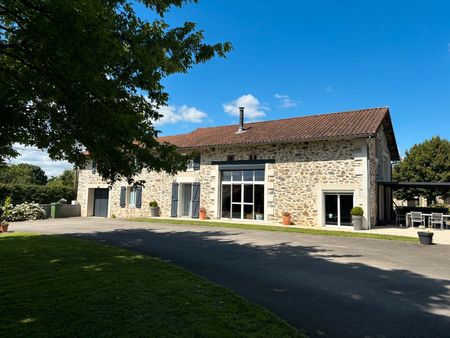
pixel 29 183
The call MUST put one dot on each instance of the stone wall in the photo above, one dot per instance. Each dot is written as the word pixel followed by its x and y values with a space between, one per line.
pixel 293 183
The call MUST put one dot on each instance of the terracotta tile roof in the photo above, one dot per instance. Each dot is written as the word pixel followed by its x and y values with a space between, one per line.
pixel 357 123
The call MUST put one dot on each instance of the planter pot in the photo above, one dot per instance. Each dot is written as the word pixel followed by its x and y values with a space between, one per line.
pixel 287 220
pixel 202 214
pixel 425 238
pixel 259 217
pixel 357 222
pixel 154 211
pixel 4 228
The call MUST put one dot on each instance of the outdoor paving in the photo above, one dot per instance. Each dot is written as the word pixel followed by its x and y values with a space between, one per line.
pixel 327 286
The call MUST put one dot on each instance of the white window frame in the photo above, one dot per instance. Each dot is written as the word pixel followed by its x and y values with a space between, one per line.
pixel 131 194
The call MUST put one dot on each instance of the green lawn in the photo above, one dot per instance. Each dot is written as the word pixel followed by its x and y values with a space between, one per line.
pixel 53 286
pixel 276 228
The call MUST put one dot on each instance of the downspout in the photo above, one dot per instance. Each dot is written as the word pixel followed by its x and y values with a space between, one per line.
pixel 369 223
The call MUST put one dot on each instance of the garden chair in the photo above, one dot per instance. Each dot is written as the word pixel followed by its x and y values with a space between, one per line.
pixel 399 217
pixel 416 217
pixel 437 218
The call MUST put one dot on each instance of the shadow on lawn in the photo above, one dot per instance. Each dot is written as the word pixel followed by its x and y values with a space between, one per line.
pixel 307 286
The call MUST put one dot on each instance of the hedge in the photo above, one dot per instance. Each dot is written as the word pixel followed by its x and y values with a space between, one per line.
pixel 43 194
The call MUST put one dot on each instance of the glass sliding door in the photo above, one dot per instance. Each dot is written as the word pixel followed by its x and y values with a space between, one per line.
pixel 331 209
pixel 242 194
pixel 338 208
pixel 345 209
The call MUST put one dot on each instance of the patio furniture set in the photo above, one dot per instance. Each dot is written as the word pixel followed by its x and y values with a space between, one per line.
pixel 431 220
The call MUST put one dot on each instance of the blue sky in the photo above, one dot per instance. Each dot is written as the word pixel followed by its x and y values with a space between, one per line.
pixel 294 58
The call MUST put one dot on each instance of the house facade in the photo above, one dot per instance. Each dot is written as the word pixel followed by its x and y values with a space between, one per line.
pixel 315 167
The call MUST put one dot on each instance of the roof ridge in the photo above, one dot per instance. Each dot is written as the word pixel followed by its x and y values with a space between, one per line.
pixel 293 117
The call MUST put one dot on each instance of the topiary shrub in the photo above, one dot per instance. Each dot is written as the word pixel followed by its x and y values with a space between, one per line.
pixel 357 211
pixel 26 211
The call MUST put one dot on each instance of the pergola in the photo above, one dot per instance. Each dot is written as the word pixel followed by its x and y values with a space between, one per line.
pixel 385 200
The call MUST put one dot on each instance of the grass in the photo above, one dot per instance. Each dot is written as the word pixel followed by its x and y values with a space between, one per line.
pixel 276 228
pixel 54 286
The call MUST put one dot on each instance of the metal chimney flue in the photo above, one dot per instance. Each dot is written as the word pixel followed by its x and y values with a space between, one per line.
pixel 241 120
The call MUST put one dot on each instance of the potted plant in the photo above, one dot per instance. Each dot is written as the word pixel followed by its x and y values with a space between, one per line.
pixel 153 208
pixel 3 225
pixel 287 218
pixel 357 217
pixel 259 216
pixel 425 236
pixel 6 212
pixel 202 213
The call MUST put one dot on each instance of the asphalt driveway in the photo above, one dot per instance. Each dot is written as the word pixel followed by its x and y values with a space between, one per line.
pixel 326 286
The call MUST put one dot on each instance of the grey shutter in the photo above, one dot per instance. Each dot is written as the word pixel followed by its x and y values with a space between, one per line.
pixel 138 197
pixel 195 199
pixel 123 194
pixel 174 207
pixel 196 164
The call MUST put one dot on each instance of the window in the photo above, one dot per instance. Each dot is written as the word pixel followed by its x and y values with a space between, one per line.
pixel 242 194
pixel 132 197
pixel 193 164
pixel 252 157
pixel 230 158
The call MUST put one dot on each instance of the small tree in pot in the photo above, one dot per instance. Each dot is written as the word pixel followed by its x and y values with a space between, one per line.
pixel 5 214
pixel 153 208
pixel 357 217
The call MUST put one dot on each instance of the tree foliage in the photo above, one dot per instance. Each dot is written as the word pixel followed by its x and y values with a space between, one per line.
pixel 425 162
pixel 44 194
pixel 67 178
pixel 22 173
pixel 86 75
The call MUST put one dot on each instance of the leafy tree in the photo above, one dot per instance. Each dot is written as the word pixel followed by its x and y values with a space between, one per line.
pixel 22 173
pixel 87 75
pixel 67 178
pixel 425 162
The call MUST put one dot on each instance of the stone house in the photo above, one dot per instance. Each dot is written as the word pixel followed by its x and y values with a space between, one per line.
pixel 315 167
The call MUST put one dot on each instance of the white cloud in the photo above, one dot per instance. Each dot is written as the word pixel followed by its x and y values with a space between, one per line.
pixel 172 115
pixel 329 89
pixel 253 108
pixel 285 101
pixel 192 114
pixel 33 155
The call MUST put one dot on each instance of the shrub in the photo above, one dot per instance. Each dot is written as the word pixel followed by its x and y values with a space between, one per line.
pixel 286 214
pixel 43 194
pixel 357 211
pixel 27 211
pixel 153 204
pixel 6 210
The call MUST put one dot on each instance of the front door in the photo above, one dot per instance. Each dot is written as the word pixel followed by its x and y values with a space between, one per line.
pixel 101 202
pixel 186 199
